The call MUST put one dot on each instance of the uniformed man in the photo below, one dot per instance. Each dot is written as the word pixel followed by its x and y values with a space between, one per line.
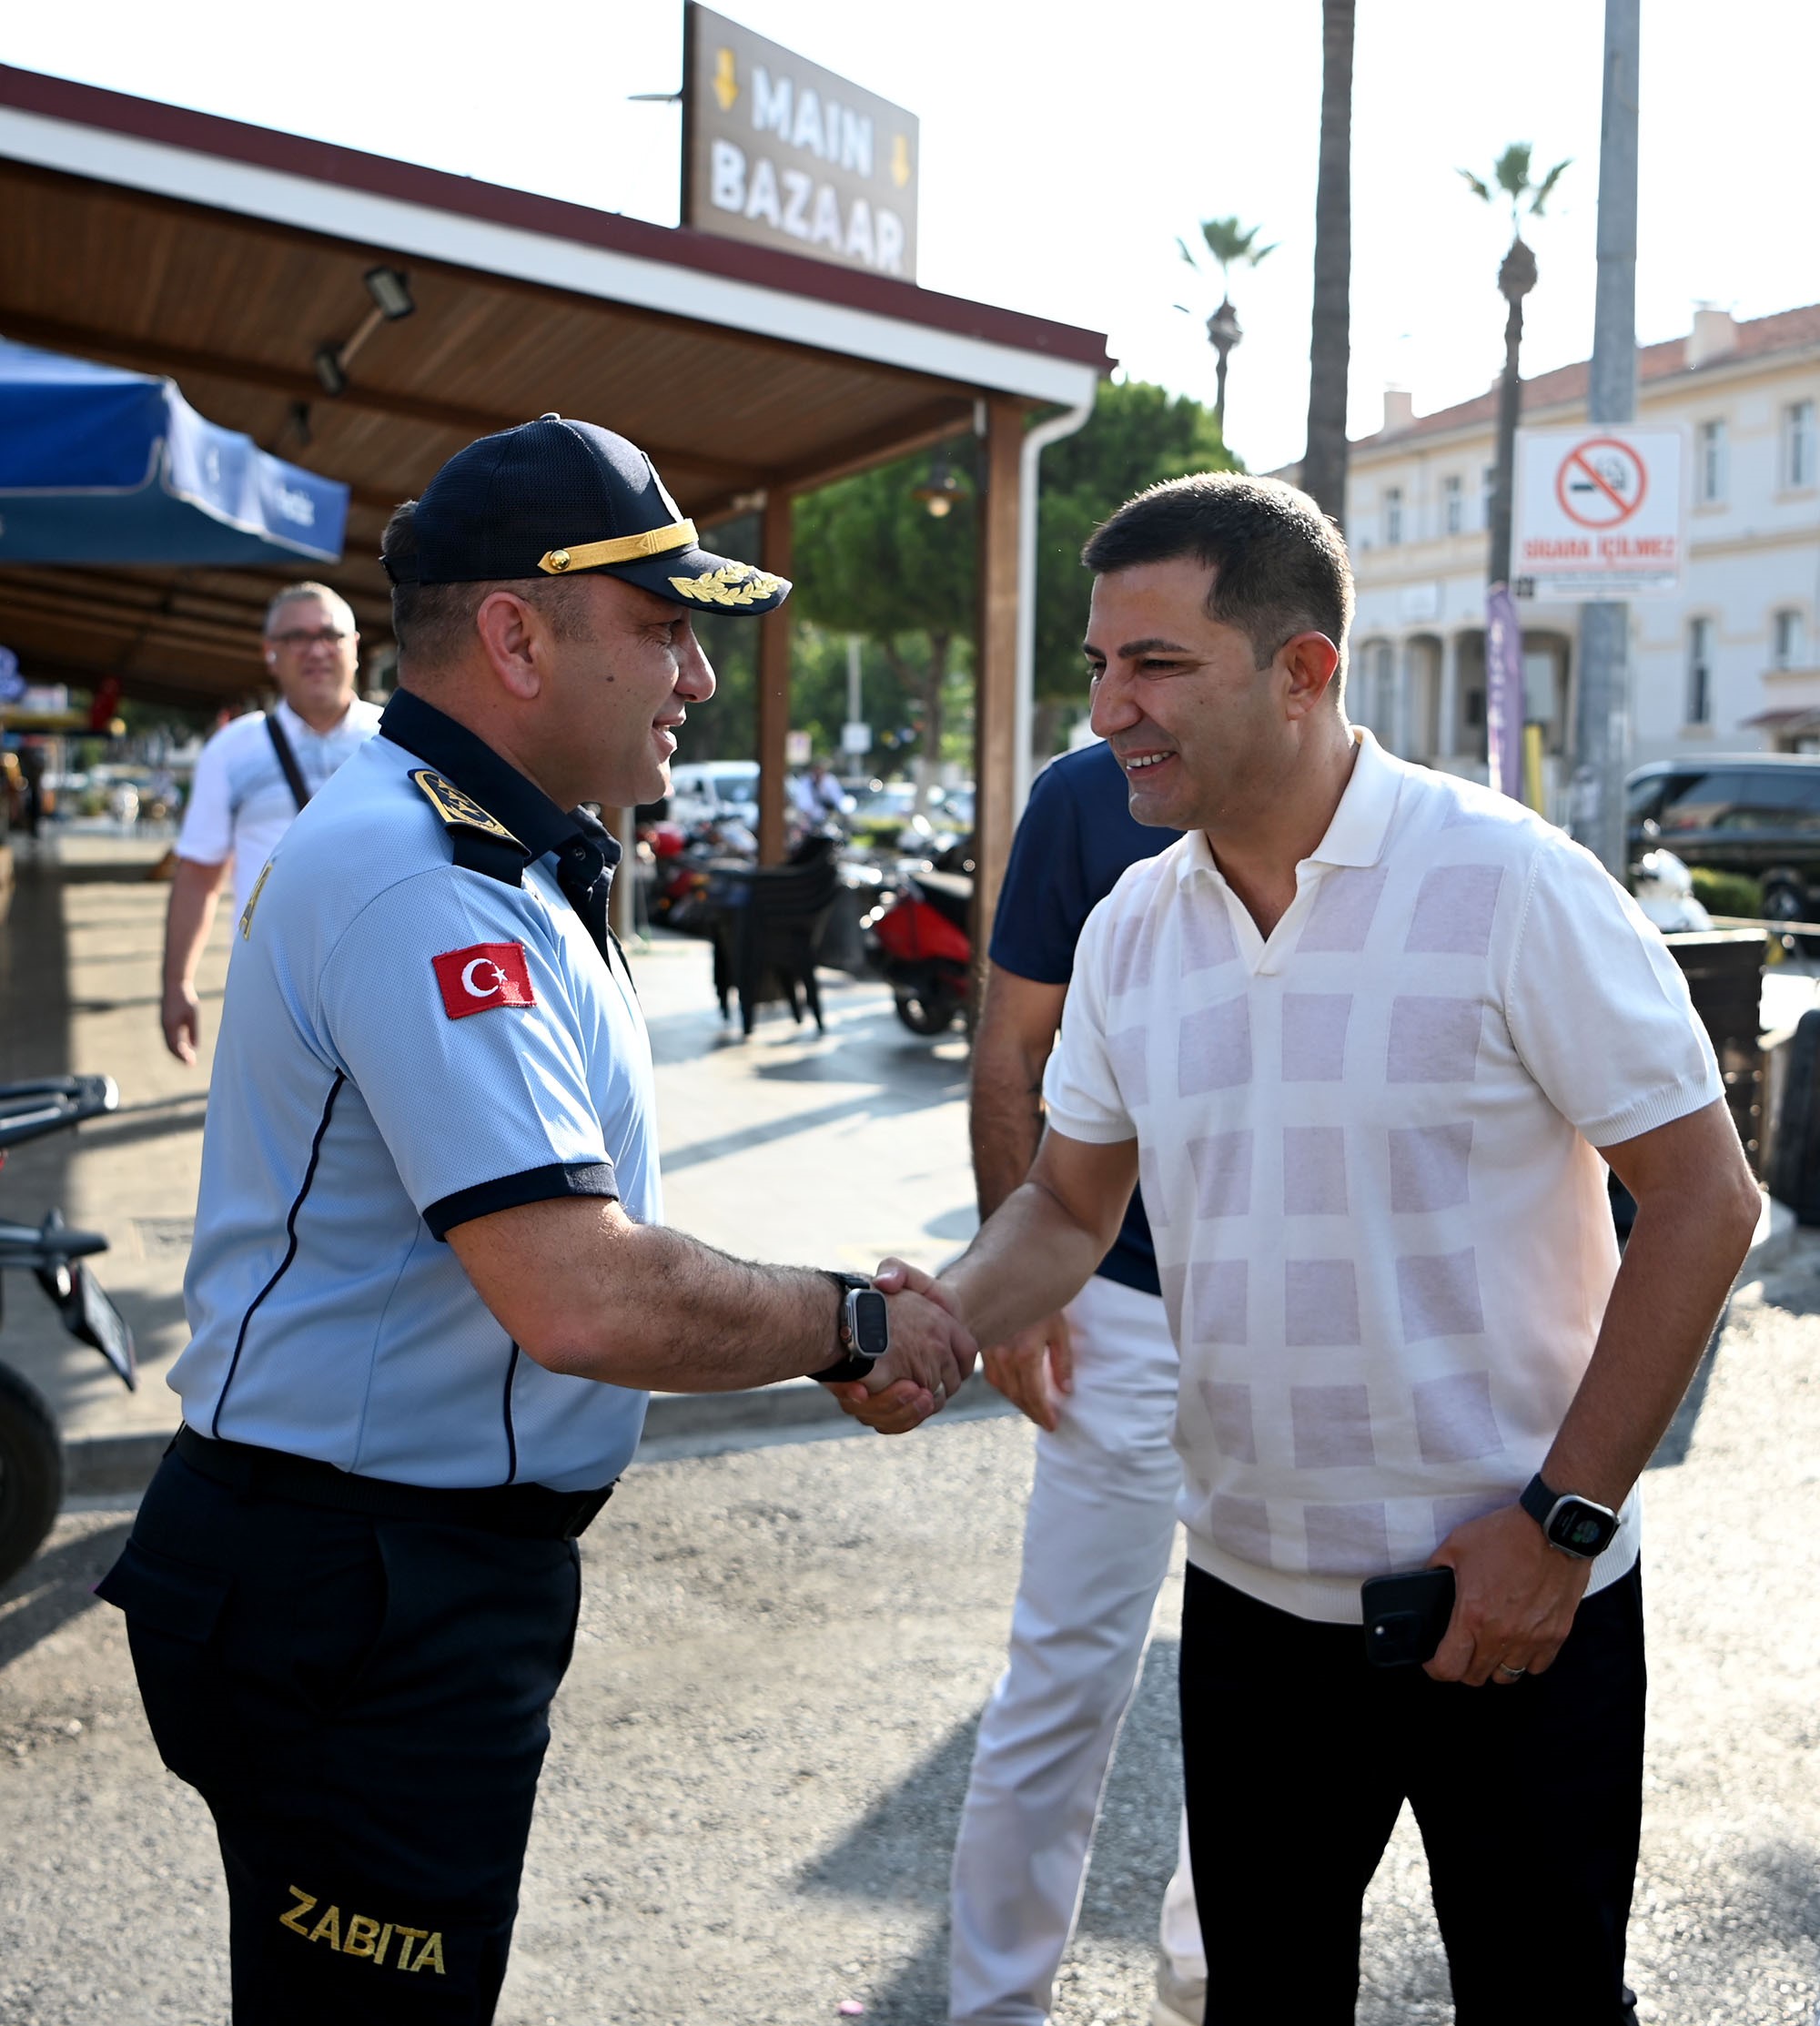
pixel 430 1282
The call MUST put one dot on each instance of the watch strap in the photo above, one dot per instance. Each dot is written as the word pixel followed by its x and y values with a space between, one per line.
pixel 1538 1500
pixel 850 1363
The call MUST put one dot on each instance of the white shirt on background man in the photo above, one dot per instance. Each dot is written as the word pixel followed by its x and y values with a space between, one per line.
pixel 240 803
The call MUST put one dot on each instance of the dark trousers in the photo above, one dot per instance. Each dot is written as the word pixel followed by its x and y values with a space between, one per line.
pixel 363 1703
pixel 1298 1755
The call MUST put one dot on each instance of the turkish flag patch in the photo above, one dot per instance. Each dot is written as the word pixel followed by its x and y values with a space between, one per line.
pixel 481 976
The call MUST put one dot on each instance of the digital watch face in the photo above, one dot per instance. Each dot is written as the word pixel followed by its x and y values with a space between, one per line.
pixel 871 1324
pixel 1583 1531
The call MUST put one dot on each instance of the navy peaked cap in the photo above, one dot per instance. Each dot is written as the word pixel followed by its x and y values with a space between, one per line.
pixel 558 498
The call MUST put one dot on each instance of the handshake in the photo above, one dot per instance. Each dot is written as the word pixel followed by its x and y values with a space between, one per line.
pixel 932 1352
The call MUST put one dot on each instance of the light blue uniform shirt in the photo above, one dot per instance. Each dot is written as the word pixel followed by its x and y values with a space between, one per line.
pixel 358 1111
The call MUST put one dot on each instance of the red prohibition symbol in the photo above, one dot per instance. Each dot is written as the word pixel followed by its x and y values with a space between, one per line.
pixel 1601 490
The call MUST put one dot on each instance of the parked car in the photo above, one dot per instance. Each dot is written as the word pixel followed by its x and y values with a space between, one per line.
pixel 711 791
pixel 1757 814
pixel 885 812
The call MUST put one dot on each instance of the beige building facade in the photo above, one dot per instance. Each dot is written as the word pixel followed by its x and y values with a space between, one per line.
pixel 1729 664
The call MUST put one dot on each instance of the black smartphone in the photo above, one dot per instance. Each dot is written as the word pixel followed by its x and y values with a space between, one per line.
pixel 1406 1616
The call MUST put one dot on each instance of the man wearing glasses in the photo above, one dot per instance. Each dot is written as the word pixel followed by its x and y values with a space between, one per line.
pixel 255 774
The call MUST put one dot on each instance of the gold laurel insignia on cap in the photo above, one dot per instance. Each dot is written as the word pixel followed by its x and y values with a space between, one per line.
pixel 458 811
pixel 735 584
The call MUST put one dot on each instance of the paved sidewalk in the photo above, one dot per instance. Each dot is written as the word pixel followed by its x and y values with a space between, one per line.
pixel 759 1753
pixel 833 1150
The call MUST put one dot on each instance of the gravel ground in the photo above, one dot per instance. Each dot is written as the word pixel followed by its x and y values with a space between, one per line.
pixel 759 1751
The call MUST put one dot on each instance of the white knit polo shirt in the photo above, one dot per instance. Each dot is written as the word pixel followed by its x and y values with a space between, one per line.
pixel 1367 1149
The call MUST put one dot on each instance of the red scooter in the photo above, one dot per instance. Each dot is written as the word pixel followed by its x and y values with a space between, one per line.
pixel 926 943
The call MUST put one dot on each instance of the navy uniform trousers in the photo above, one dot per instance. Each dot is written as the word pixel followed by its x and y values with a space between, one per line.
pixel 363 1703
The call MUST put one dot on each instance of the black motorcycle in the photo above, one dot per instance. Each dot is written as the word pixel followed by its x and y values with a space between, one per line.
pixel 31 1449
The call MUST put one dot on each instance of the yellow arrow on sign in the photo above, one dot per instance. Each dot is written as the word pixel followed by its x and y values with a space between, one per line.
pixel 726 79
pixel 900 160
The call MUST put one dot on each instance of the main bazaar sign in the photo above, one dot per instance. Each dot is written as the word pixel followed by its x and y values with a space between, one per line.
pixel 781 153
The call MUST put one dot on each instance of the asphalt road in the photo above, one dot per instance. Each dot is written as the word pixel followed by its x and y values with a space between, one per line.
pixel 759 1751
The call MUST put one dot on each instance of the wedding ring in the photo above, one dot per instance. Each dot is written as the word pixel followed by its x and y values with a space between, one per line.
pixel 1516 1674
pixel 940 1393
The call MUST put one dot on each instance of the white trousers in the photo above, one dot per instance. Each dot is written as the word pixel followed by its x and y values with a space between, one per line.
pixel 1097 1543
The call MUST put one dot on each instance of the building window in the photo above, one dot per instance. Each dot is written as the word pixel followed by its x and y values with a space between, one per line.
pixel 1488 485
pixel 1453 504
pixel 1394 515
pixel 1710 475
pixel 1800 446
pixel 1789 634
pixel 1699 671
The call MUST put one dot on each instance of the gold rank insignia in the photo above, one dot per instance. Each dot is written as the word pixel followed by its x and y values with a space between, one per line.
pixel 252 902
pixel 458 811
pixel 734 583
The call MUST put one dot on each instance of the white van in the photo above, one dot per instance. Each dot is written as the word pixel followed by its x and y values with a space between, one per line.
pixel 710 791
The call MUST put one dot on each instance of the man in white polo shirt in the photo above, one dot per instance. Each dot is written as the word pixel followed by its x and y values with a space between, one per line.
pixel 1366 1032
pixel 255 774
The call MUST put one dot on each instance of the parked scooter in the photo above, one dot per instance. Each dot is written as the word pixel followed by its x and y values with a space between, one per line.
pixel 682 865
pixel 1663 888
pixel 926 942
pixel 31 1451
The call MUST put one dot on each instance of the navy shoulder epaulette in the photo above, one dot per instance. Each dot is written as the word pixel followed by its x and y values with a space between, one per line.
pixel 481 843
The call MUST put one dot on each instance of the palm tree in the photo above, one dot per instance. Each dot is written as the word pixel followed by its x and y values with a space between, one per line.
pixel 1330 342
pixel 1516 277
pixel 1230 245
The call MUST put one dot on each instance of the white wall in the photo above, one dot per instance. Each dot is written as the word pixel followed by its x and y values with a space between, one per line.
pixel 1750 553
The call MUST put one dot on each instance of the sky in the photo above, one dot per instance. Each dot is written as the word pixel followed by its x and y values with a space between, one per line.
pixel 1065 147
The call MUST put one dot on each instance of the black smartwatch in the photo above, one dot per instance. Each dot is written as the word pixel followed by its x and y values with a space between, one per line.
pixel 1574 1525
pixel 863 1329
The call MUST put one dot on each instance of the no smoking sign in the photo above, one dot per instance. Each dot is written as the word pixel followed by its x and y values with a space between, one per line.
pixel 1599 513
pixel 1602 482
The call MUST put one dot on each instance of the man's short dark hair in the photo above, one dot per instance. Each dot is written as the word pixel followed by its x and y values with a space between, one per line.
pixel 1280 566
pixel 432 623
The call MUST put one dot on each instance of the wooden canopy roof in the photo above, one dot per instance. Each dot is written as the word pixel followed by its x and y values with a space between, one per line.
pixel 225 255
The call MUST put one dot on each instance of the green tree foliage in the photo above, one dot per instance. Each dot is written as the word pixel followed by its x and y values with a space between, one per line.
pixel 891 700
pixel 1231 244
pixel 1727 892
pixel 726 727
pixel 1516 277
pixel 1139 436
pixel 870 558
pixel 1510 173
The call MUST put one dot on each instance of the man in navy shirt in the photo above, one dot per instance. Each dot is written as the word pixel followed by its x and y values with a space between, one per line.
pixel 1099 1382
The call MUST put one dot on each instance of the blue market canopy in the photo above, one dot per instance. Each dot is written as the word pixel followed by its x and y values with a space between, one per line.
pixel 99 464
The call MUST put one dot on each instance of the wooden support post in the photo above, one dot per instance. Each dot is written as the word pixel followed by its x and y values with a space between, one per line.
pixel 622 904
pixel 995 665
pixel 773 683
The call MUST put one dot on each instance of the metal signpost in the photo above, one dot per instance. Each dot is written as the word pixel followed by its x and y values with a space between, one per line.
pixel 1601 715
pixel 781 153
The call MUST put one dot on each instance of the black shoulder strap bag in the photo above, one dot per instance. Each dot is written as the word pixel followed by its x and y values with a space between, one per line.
pixel 293 773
